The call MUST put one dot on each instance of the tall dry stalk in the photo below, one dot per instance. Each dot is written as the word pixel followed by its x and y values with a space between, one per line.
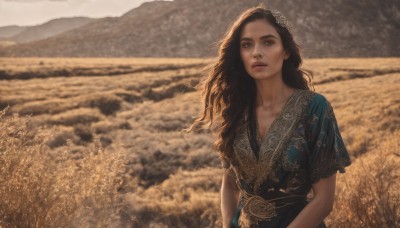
pixel 370 196
pixel 42 189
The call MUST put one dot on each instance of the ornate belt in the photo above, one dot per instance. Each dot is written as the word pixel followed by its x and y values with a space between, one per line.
pixel 260 209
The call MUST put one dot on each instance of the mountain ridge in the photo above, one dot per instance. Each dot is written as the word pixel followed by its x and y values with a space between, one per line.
pixel 26 34
pixel 11 30
pixel 184 28
pixel 50 28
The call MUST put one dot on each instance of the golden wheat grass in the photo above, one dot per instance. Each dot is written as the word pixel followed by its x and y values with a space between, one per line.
pixel 144 112
pixel 42 189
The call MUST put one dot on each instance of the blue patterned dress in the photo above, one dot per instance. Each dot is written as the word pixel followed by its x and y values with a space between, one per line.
pixel 276 173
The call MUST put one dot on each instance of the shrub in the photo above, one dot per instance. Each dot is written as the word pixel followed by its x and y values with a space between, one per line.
pixel 41 189
pixel 157 166
pixel 186 199
pixel 108 125
pixel 84 132
pixel 76 117
pixel 41 107
pixel 370 197
pixel 107 104
pixel 105 141
pixel 61 139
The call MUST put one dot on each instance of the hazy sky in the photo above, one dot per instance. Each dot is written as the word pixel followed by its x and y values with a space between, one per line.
pixel 34 12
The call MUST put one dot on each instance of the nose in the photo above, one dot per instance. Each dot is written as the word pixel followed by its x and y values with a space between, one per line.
pixel 257 52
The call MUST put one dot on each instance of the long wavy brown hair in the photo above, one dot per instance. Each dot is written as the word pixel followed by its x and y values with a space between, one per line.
pixel 228 91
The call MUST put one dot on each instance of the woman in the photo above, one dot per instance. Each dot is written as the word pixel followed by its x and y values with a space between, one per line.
pixel 277 139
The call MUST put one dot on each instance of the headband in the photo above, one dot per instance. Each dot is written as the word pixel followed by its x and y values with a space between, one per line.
pixel 280 19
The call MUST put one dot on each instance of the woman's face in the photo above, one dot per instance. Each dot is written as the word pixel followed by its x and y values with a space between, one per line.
pixel 261 50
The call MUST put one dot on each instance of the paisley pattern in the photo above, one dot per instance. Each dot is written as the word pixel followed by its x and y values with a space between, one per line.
pixel 302 145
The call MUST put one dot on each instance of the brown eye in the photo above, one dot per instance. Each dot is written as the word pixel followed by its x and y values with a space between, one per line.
pixel 268 42
pixel 245 45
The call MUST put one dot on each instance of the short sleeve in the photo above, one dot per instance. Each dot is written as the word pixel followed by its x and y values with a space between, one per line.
pixel 327 153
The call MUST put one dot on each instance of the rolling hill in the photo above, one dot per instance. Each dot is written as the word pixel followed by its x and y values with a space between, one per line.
pixel 9 31
pixel 49 29
pixel 184 28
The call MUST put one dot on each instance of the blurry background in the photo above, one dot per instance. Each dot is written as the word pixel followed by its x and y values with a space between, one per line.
pixel 95 95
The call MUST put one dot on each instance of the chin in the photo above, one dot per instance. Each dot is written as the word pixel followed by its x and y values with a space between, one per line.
pixel 259 76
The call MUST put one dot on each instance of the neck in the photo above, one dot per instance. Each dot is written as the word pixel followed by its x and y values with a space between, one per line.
pixel 271 92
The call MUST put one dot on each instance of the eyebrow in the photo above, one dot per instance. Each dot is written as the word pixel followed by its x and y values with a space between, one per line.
pixel 263 37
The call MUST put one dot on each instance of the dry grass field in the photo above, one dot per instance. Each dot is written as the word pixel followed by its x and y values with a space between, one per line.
pixel 99 142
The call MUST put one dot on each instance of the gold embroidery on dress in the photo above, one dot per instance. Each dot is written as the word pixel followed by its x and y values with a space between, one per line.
pixel 254 172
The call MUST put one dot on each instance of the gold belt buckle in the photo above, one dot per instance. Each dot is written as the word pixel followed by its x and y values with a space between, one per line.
pixel 259 208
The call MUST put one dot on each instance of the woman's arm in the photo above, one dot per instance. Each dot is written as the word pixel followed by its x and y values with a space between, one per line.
pixel 320 206
pixel 229 198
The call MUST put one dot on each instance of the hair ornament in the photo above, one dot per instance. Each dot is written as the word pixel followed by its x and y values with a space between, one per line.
pixel 280 19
